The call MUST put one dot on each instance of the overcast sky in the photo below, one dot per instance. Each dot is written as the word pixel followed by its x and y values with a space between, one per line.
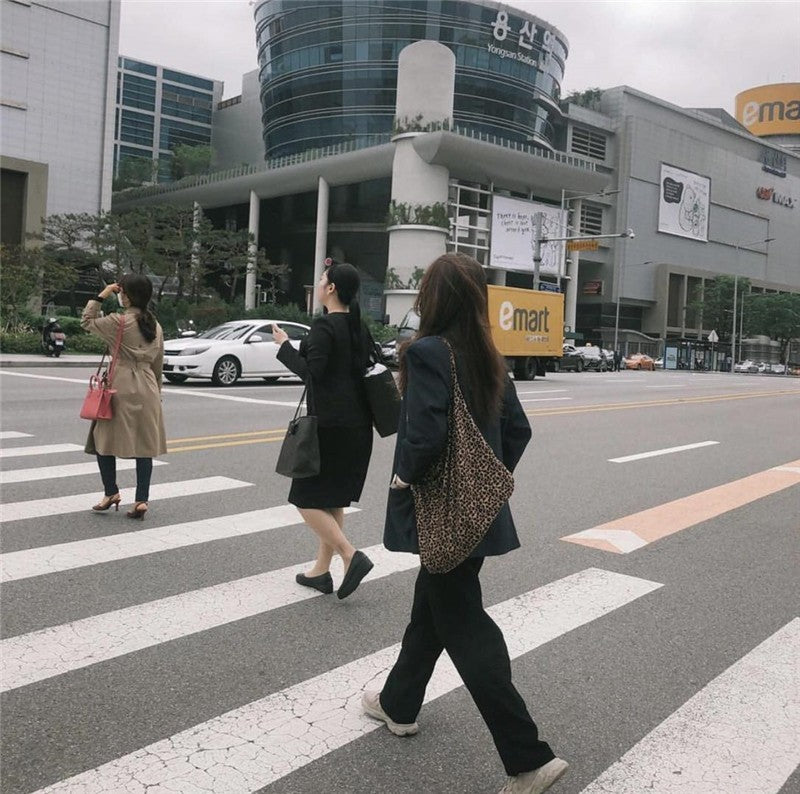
pixel 695 54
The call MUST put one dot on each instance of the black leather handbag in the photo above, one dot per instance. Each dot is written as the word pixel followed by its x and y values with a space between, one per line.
pixel 382 393
pixel 299 455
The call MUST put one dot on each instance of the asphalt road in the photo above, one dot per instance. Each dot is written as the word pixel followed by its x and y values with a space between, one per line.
pixel 679 656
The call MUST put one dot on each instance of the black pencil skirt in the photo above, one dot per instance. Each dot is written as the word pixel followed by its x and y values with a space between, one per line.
pixel 344 460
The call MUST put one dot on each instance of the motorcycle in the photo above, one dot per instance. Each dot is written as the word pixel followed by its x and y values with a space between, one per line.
pixel 54 340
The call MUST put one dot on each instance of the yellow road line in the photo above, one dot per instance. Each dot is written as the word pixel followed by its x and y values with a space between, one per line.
pixel 246 434
pixel 629 533
pixel 579 409
pixel 225 444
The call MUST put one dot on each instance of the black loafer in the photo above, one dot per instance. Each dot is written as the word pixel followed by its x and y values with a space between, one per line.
pixel 359 567
pixel 323 582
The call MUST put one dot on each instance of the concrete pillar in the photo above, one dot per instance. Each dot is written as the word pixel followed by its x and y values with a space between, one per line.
pixel 321 240
pixel 571 297
pixel 415 181
pixel 252 250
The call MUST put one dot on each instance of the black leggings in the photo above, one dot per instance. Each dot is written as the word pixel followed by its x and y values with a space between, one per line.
pixel 108 471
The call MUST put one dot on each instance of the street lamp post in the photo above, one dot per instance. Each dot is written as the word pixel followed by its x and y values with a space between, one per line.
pixel 738 247
pixel 619 296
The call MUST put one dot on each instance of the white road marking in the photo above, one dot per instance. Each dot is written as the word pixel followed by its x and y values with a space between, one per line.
pixel 623 540
pixel 545 399
pixel 541 391
pixel 57 472
pixel 228 397
pixel 666 386
pixel 47 449
pixel 255 745
pixel 5 434
pixel 668 451
pixel 56 650
pixel 741 732
pixel 82 381
pixel 82 553
pixel 795 469
pixel 38 508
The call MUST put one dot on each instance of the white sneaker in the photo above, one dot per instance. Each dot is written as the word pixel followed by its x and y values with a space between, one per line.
pixel 371 703
pixel 536 781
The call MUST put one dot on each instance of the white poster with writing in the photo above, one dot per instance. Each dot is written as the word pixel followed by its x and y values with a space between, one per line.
pixel 513 235
pixel 684 199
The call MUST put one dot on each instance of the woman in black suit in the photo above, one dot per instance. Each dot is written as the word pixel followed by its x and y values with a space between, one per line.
pixel 331 361
pixel 448 613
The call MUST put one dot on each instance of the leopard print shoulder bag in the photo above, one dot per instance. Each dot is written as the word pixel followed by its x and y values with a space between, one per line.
pixel 463 491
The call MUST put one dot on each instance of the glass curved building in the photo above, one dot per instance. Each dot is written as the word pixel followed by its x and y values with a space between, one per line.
pixel 328 68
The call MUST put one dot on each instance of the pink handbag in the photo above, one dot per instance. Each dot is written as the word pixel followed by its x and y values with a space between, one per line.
pixel 97 402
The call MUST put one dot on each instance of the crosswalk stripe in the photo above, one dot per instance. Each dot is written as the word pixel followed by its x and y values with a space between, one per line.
pixel 47 449
pixel 631 532
pixel 26 563
pixel 56 650
pixel 6 434
pixel 38 508
pixel 741 732
pixel 255 745
pixel 58 472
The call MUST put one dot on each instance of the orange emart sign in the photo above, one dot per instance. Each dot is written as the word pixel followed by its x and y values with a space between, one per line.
pixel 770 109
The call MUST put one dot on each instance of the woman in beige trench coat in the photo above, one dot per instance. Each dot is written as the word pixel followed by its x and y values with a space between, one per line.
pixel 136 429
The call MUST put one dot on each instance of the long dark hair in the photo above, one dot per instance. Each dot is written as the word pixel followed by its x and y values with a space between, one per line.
pixel 139 290
pixel 347 282
pixel 452 303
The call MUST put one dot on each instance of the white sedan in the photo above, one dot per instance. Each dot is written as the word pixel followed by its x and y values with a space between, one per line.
pixel 241 349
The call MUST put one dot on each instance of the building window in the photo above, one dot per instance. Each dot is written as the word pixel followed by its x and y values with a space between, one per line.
pixel 138 92
pixel 186 103
pixel 136 128
pixel 178 132
pixel 188 79
pixel 136 66
pixel 588 143
pixel 470 219
pixel 591 219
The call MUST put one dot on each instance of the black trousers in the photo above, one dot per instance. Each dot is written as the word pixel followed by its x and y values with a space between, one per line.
pixel 108 472
pixel 448 614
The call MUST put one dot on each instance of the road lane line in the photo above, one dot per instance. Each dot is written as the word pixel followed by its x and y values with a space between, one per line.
pixel 83 381
pixel 16 565
pixel 579 409
pixel 77 503
pixel 245 434
pixel 541 391
pixel 740 733
pixel 666 519
pixel 56 650
pixel 544 399
pixel 221 444
pixel 47 449
pixel 6 434
pixel 58 472
pixel 667 451
pixel 263 741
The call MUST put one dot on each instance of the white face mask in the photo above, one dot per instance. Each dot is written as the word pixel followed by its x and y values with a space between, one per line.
pixel 119 300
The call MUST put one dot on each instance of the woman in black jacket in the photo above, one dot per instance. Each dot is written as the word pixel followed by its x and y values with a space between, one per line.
pixel 448 613
pixel 331 361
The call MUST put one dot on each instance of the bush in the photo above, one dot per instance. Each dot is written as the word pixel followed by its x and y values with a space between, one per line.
pixel 20 343
pixel 291 313
pixel 85 343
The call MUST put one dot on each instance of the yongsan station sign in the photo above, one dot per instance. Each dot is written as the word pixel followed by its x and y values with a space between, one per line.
pixel 516 40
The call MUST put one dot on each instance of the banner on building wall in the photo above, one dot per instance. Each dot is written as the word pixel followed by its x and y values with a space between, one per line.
pixel 683 203
pixel 512 242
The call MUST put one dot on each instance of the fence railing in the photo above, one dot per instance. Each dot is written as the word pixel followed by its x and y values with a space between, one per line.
pixel 360 142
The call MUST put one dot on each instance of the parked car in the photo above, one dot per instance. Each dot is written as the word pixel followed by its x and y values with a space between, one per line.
pixel 571 360
pixel 409 326
pixel 746 366
pixel 225 353
pixel 658 363
pixel 639 361
pixel 609 357
pixel 593 359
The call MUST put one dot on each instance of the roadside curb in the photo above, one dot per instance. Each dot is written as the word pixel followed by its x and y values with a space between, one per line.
pixel 10 363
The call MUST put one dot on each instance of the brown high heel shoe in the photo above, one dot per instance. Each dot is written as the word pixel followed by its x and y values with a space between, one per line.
pixel 139 509
pixel 106 502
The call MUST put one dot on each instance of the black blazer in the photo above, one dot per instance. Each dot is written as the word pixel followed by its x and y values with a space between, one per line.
pixel 422 435
pixel 336 394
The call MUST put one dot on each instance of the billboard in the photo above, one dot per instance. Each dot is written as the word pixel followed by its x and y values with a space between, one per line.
pixel 513 238
pixel 684 199
pixel 770 109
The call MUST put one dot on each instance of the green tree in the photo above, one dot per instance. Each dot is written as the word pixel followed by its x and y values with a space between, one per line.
pixel 134 171
pixel 776 315
pixel 589 98
pixel 190 160
pixel 716 305
pixel 28 273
